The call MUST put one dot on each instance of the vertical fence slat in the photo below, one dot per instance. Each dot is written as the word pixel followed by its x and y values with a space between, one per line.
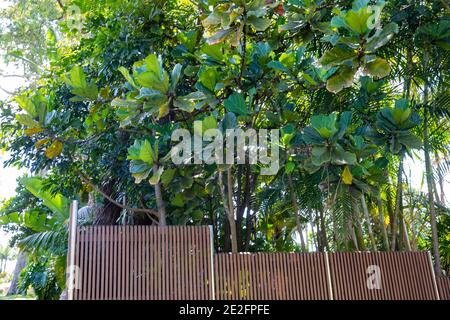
pixel 146 262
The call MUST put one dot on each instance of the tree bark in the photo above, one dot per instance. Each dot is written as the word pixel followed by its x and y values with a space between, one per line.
pixel 429 176
pixel 369 225
pixel 382 227
pixel 20 265
pixel 398 205
pixel 357 225
pixel 297 213
pixel 323 230
pixel 234 246
pixel 440 180
pixel 229 209
pixel 160 201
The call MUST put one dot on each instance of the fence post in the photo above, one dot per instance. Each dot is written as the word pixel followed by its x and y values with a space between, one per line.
pixel 434 276
pixel 213 289
pixel 327 267
pixel 71 253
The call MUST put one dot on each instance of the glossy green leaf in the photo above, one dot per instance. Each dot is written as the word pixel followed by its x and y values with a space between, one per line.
pixel 235 103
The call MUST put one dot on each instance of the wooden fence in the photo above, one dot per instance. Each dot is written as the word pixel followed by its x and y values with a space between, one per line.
pixel 271 276
pixel 178 262
pixel 138 262
pixel 402 276
pixel 443 284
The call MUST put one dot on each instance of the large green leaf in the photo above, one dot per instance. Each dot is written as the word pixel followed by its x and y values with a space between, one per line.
pixel 379 68
pixel 27 105
pixel 55 202
pixel 343 78
pixel 141 150
pixel 208 77
pixel 236 103
pixel 320 155
pixel 380 39
pixel 342 157
pixel 409 140
pixel 154 76
pixel 77 77
pixel 356 20
pixel 337 56
pixel 260 24
pixel 325 125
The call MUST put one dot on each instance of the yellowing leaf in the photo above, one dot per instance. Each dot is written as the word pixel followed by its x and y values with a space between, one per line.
pixel 379 68
pixel 156 176
pixel 163 110
pixel 347 177
pixel 54 149
pixel 32 131
pixel 41 142
pixel 343 78
pixel 386 221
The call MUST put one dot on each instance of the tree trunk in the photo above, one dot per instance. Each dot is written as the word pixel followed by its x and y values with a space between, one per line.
pixel 226 205
pixel 389 208
pixel 413 227
pixel 440 180
pixel 368 220
pixel 429 176
pixel 297 214
pixel 109 213
pixel 160 201
pixel 398 205
pixel 406 236
pixel 382 227
pixel 20 265
pixel 234 243
pixel 323 230
pixel 351 230
pixel 357 225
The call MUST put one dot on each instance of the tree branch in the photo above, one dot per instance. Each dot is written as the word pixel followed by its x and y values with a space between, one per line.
pixel 142 210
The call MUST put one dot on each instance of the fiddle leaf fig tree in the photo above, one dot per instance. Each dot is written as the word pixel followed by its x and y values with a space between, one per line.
pixel 393 128
pixel 325 135
pixel 356 35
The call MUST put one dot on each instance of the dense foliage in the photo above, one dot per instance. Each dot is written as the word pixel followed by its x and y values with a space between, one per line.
pixel 357 88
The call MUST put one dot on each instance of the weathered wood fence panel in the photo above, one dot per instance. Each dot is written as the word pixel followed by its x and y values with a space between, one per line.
pixel 177 262
pixel 142 262
pixel 443 284
pixel 273 276
pixel 402 276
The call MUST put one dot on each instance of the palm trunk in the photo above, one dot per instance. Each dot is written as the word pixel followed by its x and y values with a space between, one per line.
pixel 229 210
pixel 234 243
pixel 297 214
pixel 398 205
pixel 382 226
pixel 357 225
pixel 369 225
pixel 440 181
pixel 413 227
pixel 406 236
pixel 20 265
pixel 323 230
pixel 429 176
pixel 351 230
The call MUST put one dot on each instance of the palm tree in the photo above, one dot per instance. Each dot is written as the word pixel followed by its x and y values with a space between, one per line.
pixel 5 255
